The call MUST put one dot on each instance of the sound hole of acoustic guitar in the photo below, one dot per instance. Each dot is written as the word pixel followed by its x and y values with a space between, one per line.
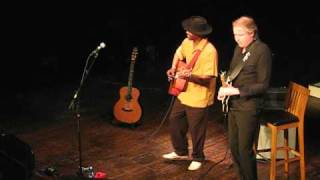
pixel 127 106
pixel 128 97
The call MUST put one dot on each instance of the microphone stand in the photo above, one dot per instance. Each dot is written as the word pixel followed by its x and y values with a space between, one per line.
pixel 75 106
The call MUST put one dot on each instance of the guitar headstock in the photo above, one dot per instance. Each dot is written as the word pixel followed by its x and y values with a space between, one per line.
pixel 225 80
pixel 134 54
pixel 222 75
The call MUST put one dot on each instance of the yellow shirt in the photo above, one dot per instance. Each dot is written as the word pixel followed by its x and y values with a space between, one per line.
pixel 207 64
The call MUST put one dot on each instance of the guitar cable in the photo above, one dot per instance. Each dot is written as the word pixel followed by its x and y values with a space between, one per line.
pixel 163 119
pixel 225 125
pixel 202 176
pixel 213 165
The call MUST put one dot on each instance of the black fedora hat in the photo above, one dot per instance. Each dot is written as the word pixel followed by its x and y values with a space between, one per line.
pixel 197 25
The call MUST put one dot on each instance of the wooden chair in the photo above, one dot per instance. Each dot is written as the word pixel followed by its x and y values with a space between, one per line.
pixel 291 117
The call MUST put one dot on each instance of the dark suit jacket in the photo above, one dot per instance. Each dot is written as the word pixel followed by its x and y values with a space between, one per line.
pixel 253 79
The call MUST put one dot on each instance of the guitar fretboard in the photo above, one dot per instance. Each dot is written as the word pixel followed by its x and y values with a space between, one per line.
pixel 131 71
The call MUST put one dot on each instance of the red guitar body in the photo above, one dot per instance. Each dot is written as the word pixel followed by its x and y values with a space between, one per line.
pixel 178 85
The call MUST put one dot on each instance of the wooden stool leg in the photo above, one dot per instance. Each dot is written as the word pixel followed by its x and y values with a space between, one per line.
pixel 274 134
pixel 286 155
pixel 301 151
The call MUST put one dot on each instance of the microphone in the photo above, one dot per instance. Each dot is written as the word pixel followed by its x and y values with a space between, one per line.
pixel 101 46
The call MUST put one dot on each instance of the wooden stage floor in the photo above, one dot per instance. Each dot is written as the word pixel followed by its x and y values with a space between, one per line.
pixel 127 152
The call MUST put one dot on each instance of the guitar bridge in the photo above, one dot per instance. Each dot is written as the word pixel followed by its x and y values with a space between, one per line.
pixel 126 109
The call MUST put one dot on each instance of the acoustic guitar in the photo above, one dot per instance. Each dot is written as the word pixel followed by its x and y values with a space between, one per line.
pixel 127 109
pixel 225 82
pixel 178 85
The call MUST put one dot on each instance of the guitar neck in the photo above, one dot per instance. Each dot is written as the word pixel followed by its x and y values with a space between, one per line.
pixel 225 81
pixel 130 78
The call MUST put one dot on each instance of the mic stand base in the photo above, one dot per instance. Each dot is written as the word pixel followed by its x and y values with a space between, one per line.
pixel 86 172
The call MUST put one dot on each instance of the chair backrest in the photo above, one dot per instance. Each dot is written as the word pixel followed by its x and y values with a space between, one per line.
pixel 296 100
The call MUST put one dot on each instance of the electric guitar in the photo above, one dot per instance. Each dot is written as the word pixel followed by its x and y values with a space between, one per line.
pixel 128 109
pixel 178 85
pixel 225 82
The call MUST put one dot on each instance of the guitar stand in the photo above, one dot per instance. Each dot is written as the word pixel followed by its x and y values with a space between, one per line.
pixel 75 107
pixel 118 123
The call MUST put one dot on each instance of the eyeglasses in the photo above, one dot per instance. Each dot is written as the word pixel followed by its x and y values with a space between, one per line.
pixel 241 34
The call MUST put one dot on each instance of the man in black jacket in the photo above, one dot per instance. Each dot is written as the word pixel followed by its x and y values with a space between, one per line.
pixel 245 94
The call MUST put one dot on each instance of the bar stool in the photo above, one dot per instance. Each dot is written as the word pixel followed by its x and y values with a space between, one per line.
pixel 291 117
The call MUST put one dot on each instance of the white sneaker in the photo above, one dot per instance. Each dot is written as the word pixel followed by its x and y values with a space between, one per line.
pixel 195 165
pixel 174 156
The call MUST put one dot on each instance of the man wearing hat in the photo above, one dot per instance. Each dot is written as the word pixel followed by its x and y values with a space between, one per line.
pixel 190 108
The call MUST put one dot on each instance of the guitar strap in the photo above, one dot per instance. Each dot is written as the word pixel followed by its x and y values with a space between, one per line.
pixel 234 73
pixel 237 69
pixel 180 85
pixel 195 56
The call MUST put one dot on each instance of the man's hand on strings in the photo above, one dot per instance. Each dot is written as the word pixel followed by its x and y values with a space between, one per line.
pixel 184 74
pixel 227 91
pixel 171 73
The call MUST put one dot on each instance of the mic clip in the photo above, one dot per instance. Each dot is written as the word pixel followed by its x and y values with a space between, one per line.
pixel 95 53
